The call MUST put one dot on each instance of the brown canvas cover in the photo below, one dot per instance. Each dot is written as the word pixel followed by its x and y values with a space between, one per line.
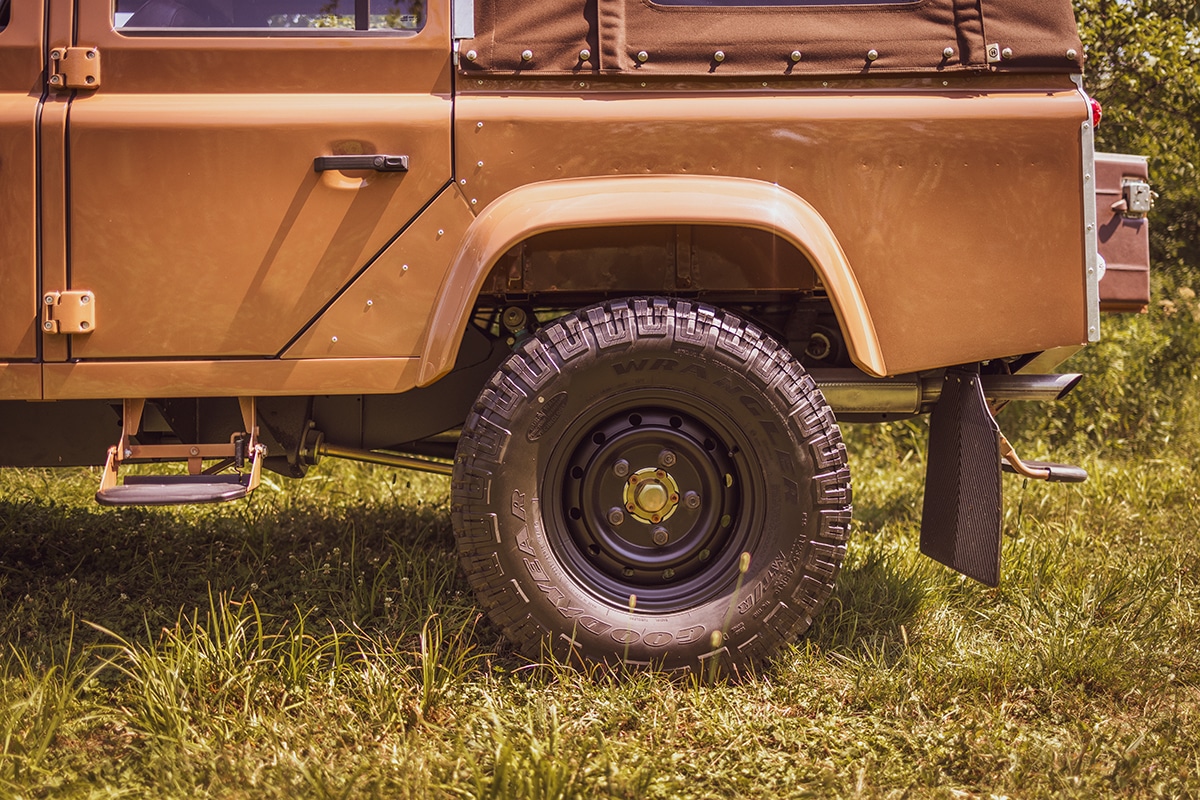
pixel 771 37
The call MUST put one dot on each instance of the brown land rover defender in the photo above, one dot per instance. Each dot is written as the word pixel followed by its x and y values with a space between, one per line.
pixel 615 265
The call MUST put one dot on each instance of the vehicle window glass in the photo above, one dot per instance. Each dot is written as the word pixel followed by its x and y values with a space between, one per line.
pixel 761 3
pixel 4 6
pixel 269 15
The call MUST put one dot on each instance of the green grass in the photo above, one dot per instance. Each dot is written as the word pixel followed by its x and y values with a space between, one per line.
pixel 317 641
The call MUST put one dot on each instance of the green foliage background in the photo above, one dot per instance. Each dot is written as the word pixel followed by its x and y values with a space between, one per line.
pixel 1143 65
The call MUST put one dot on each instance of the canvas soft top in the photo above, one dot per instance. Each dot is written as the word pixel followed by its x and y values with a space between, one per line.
pixel 771 37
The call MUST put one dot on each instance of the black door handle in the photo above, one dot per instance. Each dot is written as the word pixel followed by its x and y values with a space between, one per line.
pixel 377 162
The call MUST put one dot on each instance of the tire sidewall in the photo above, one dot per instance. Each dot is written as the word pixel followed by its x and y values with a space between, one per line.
pixel 712 363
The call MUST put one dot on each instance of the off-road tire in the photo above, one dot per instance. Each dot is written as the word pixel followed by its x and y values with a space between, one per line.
pixel 748 560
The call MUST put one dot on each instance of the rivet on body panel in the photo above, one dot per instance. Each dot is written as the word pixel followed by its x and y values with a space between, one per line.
pixel 370 303
pixel 463 181
pixel 474 201
pixel 872 55
pixel 479 163
pixel 643 56
pixel 1006 53
pixel 527 55
pixel 404 268
pixel 719 56
pixel 948 52
pixel 441 232
pixel 472 55
pixel 1071 54
pixel 585 54
pixel 1087 176
pixel 796 55
pixel 333 339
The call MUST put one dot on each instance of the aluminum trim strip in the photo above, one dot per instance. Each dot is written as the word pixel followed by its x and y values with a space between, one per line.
pixel 1091 245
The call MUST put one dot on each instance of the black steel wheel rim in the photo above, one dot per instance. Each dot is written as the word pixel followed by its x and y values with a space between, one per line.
pixel 674 537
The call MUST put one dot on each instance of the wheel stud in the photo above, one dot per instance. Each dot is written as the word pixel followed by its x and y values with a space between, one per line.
pixel 705 555
pixel 691 500
pixel 627 572
pixel 621 468
pixel 660 536
pixel 668 574
pixel 616 516
pixel 666 458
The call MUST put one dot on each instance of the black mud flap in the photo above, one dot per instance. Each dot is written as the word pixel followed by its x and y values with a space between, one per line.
pixel 960 525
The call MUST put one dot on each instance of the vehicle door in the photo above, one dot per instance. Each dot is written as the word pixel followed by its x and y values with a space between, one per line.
pixel 203 213
pixel 21 86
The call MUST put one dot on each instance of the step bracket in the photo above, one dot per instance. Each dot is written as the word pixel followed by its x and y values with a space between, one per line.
pixel 198 485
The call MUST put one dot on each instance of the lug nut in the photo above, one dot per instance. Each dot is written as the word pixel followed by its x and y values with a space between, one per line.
pixel 660 536
pixel 705 555
pixel 668 574
pixel 621 468
pixel 691 500
pixel 666 458
pixel 615 516
pixel 627 572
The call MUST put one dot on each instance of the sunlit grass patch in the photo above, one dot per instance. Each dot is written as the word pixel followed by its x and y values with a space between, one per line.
pixel 318 641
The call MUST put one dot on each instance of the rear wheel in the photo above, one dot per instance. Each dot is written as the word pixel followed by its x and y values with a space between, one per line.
pixel 652 481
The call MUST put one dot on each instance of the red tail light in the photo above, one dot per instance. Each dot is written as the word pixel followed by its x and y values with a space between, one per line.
pixel 1097 112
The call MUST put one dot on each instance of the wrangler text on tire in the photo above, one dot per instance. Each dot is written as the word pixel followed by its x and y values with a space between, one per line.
pixel 660 450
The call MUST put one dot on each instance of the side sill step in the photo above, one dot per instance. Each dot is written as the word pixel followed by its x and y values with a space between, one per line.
pixel 199 485
pixel 174 490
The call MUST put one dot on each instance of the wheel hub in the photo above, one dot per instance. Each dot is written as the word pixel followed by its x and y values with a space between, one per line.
pixel 651 495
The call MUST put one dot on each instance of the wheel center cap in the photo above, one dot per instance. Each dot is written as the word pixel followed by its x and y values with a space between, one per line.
pixel 651 495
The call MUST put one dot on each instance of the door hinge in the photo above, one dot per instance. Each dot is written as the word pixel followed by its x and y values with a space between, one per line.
pixel 74 68
pixel 68 312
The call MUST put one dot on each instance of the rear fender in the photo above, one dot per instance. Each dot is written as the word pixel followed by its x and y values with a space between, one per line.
pixel 644 200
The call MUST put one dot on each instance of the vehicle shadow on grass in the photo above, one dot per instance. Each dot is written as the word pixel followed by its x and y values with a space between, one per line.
pixel 381 567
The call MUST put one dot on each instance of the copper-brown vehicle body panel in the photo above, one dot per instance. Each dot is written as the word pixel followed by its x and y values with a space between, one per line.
pixel 193 218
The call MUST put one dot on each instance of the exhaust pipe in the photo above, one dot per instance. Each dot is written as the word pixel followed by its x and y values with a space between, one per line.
pixel 849 391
